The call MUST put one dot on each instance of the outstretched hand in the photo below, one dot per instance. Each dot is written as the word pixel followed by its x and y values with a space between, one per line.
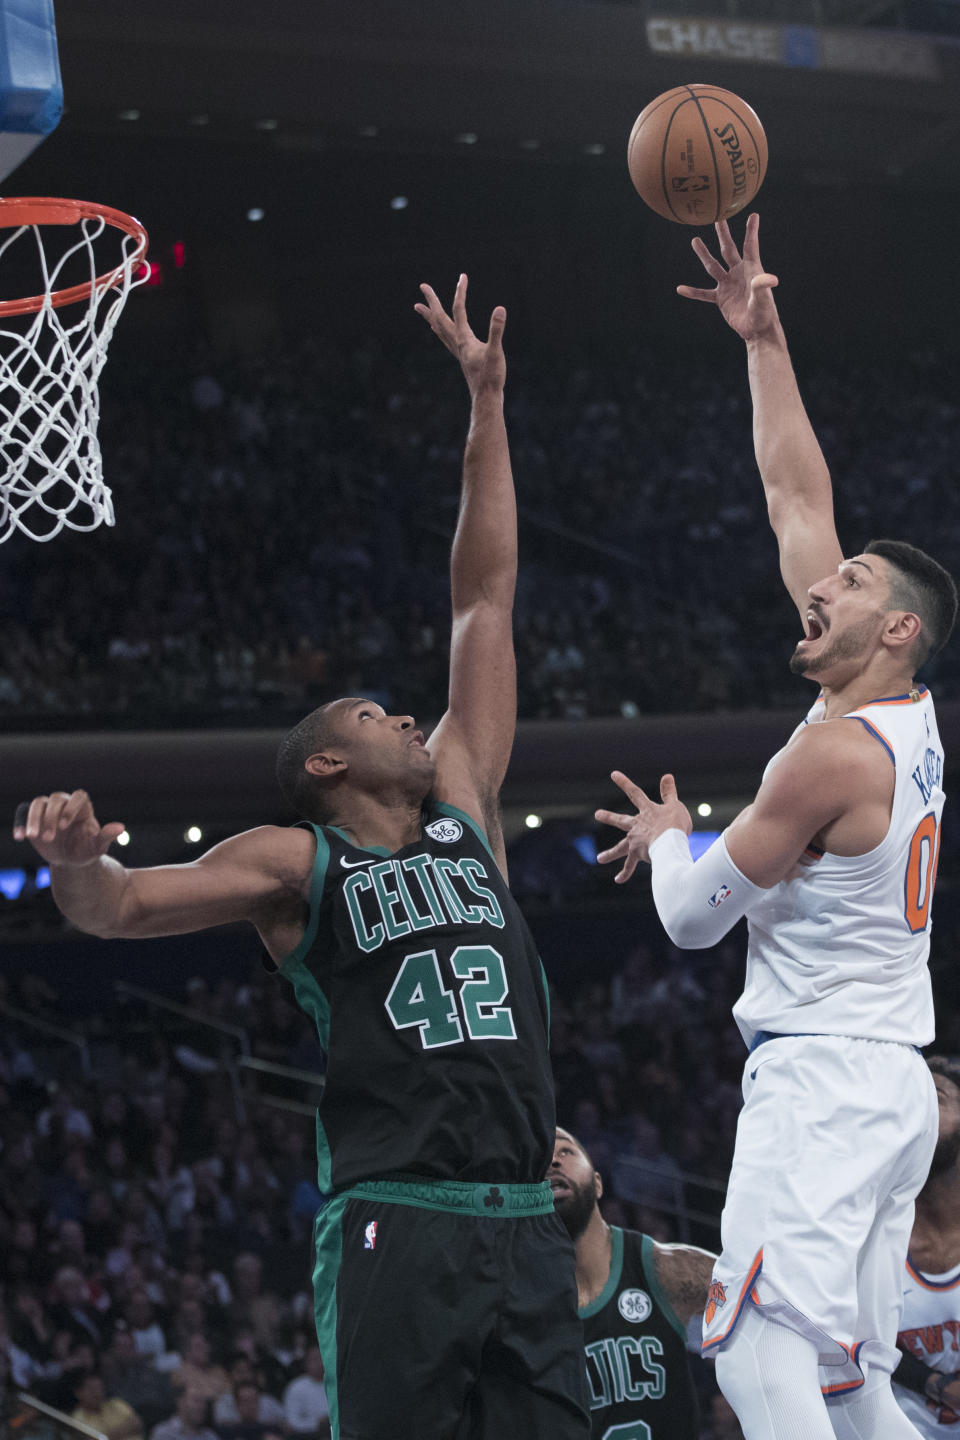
pixel 63 828
pixel 483 362
pixel 650 821
pixel 744 290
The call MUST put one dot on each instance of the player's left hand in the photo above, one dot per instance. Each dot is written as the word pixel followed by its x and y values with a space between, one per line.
pixel 483 362
pixel 643 828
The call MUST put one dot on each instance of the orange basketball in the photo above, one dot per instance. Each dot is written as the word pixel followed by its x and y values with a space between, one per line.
pixel 697 154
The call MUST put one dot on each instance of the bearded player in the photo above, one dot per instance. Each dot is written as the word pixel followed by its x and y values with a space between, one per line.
pixel 834 865
pixel 444 1282
pixel 927 1380
pixel 636 1300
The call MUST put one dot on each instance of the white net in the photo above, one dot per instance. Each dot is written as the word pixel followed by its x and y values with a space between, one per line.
pixel 51 473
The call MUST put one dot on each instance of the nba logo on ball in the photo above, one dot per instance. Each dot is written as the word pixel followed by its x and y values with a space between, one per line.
pixel 634 1305
pixel 449 831
pixel 370 1236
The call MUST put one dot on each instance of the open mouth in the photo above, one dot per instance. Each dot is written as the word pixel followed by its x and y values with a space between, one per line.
pixel 418 740
pixel 559 1186
pixel 815 626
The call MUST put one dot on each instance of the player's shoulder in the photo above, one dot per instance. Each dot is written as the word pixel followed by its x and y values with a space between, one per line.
pixel 837 751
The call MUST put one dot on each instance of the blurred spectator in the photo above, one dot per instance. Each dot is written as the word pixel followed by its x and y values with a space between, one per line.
pixel 110 1415
pixel 305 1399
pixel 190 1420
pixel 197 1371
pixel 148 1336
pixel 71 1308
pixel 134 1378
pixel 249 1406
pixel 258 1308
pixel 226 1409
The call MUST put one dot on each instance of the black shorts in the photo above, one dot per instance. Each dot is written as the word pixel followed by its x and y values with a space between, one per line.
pixel 448 1311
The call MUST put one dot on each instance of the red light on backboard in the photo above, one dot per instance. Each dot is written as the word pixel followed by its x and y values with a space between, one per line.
pixel 179 254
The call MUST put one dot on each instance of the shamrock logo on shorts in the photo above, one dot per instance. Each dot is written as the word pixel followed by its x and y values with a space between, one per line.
pixel 494 1200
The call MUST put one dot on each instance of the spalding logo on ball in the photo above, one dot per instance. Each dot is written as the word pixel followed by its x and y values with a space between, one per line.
pixel 697 154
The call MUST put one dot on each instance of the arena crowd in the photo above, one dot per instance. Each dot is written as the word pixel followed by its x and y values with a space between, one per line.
pixel 283 527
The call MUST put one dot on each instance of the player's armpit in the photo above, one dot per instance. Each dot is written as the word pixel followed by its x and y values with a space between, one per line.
pixel 684 1273
pixel 239 879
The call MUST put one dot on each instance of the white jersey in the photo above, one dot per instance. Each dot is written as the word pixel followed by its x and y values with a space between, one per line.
pixel 840 946
pixel 930 1330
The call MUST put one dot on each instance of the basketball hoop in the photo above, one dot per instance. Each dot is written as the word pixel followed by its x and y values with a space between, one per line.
pixel 80 255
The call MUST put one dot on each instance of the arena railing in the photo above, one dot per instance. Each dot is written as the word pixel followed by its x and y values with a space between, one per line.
pixel 62 1422
pixel 668 1195
pixel 174 1007
pixel 47 1027
pixel 310 1078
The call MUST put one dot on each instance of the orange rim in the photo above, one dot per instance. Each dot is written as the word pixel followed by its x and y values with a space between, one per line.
pixel 45 210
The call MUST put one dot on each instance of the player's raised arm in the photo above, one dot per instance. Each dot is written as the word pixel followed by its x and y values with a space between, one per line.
pixel 472 743
pixel 259 876
pixel 795 477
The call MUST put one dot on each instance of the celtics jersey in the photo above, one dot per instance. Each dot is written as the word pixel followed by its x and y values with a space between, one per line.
pixel 430 1001
pixel 637 1370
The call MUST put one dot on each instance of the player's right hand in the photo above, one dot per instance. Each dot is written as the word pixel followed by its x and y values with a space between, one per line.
pixel 482 361
pixel 744 290
pixel 63 828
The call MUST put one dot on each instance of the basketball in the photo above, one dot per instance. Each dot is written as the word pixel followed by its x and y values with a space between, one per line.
pixel 697 154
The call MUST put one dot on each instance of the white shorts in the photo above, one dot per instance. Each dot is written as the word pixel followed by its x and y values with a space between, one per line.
pixel 833 1143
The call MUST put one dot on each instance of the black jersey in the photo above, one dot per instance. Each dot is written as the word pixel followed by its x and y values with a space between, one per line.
pixel 430 1001
pixel 637 1368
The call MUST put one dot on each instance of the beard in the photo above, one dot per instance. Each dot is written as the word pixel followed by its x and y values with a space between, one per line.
pixel 851 645
pixel 945 1155
pixel 576 1208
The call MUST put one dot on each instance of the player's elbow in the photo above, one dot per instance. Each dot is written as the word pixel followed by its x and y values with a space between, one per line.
pixel 683 932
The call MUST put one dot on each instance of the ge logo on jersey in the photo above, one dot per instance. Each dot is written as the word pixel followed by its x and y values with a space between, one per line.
pixel 449 831
pixel 634 1305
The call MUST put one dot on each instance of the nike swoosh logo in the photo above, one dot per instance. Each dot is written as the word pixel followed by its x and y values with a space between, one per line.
pixel 352 864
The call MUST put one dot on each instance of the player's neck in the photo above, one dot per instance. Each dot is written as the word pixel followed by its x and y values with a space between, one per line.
pixel 593 1250
pixel 388 825
pixel 873 684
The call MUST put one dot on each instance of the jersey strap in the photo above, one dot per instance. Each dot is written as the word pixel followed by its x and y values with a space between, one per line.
pixel 613 1279
pixel 317 880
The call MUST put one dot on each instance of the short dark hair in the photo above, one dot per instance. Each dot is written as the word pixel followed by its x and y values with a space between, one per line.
pixel 300 789
pixel 922 586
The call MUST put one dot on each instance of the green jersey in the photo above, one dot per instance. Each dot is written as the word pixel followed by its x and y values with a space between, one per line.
pixel 430 1001
pixel 637 1371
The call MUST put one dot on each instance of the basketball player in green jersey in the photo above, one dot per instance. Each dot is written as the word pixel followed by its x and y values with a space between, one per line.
pixel 444 1281
pixel 636 1300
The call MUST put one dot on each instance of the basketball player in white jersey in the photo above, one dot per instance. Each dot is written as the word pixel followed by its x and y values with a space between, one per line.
pixel 927 1380
pixel 834 865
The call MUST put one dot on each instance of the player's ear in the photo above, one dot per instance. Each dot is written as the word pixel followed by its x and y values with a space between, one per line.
pixel 325 764
pixel 597 1185
pixel 903 628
